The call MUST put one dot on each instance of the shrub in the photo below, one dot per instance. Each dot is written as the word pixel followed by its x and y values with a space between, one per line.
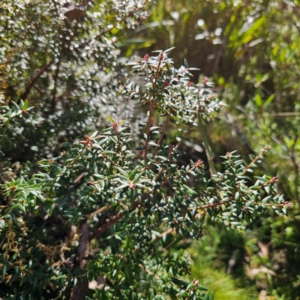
pixel 109 208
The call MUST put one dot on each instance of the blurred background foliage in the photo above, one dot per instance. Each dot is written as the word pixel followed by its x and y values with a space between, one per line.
pixel 69 71
pixel 251 51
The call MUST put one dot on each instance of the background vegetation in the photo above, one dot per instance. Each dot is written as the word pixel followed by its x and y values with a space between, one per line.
pixel 63 72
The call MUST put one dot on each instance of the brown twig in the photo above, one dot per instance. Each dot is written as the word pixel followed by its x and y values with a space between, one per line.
pixel 162 135
pixel 98 211
pixel 34 79
pixel 81 289
pixel 104 227
pixel 149 272
pixel 169 231
pixel 259 156
pixel 183 137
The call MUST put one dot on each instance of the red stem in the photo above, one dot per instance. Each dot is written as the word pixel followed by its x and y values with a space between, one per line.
pixel 104 227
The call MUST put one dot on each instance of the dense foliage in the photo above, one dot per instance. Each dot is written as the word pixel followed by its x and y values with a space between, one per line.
pixel 94 188
pixel 251 50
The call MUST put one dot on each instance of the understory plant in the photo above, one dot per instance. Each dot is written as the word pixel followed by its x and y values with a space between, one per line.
pixel 111 208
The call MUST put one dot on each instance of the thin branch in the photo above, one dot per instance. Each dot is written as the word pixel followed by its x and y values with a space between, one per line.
pixel 171 244
pixel 259 156
pixel 149 123
pixel 34 79
pixel 152 105
pixel 98 211
pixel 81 289
pixel 169 231
pixel 209 153
pixel 83 249
pixel 149 272
pixel 183 137
pixel 104 227
pixel 53 103
pixel 159 173
pixel 162 135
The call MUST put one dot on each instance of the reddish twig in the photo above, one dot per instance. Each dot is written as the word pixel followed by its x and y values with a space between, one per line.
pixel 104 227
pixel 34 79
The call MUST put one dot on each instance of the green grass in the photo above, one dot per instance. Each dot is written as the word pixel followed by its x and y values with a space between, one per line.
pixel 223 285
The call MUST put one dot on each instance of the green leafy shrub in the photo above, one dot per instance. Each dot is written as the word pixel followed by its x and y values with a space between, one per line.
pixel 108 209
pixel 251 50
pixel 125 200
